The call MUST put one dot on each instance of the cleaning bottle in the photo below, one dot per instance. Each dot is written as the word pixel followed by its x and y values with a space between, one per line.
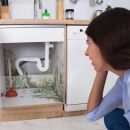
pixel 46 14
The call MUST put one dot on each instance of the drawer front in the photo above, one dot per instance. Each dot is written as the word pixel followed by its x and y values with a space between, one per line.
pixel 18 35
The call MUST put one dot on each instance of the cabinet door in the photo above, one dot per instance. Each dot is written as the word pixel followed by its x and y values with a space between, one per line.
pixel 80 73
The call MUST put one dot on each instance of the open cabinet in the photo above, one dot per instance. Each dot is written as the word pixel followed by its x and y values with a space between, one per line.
pixel 36 56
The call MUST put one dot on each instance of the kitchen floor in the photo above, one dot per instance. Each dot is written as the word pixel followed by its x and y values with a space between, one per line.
pixel 65 123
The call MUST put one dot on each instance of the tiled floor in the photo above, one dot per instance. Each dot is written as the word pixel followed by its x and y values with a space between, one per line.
pixel 65 123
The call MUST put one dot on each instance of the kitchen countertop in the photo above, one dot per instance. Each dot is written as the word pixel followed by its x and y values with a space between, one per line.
pixel 41 22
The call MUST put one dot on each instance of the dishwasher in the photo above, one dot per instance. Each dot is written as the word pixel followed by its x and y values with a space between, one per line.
pixel 80 72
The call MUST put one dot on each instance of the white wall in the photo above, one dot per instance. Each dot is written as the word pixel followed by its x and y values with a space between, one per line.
pixel 82 8
pixel 21 9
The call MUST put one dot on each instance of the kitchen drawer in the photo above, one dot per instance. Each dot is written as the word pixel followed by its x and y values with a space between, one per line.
pixel 31 34
pixel 76 32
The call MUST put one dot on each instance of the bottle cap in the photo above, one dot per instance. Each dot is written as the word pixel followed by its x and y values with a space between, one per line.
pixel 69 10
pixel 46 11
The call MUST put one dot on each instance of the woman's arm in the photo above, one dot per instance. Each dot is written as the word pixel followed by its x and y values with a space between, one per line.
pixel 96 94
pixel 105 104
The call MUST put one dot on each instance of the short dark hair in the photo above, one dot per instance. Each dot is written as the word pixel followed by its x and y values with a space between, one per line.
pixel 111 33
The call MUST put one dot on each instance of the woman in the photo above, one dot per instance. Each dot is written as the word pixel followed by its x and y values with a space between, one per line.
pixel 109 50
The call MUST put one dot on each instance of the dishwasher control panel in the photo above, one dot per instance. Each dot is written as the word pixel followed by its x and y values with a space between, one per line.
pixel 76 32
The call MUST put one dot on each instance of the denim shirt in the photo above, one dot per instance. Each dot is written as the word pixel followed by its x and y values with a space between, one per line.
pixel 118 95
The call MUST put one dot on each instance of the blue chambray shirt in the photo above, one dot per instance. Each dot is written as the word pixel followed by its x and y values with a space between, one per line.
pixel 118 95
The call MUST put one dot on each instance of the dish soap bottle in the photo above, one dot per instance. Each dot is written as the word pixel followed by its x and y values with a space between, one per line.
pixel 46 14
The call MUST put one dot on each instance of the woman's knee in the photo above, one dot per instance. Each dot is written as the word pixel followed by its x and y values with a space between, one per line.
pixel 112 117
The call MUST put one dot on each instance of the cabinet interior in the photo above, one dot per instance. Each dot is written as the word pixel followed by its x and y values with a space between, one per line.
pixel 33 87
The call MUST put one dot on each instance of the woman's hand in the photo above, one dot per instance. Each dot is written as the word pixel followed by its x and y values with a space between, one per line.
pixel 95 96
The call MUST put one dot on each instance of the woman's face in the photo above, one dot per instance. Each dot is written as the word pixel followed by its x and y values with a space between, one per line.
pixel 95 56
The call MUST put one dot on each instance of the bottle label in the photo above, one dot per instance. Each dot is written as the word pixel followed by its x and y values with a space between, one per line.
pixel 46 17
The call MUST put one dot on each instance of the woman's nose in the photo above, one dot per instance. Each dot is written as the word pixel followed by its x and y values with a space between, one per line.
pixel 86 52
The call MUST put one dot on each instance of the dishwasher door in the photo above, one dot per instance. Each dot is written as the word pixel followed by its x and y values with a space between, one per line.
pixel 80 72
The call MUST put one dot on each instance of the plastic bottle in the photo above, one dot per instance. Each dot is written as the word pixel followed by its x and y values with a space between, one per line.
pixel 60 9
pixel 46 14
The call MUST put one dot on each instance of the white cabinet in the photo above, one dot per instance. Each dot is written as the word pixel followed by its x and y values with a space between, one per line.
pixel 80 72
pixel 26 43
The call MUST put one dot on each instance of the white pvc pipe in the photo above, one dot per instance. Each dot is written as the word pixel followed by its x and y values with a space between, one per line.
pixel 36 60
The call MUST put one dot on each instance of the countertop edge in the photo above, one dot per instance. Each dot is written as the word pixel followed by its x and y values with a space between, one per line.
pixel 42 22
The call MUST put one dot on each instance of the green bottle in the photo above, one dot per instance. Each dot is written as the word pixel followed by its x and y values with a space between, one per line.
pixel 46 14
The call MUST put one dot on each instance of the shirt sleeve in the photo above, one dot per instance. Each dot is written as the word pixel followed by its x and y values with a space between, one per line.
pixel 127 98
pixel 110 101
